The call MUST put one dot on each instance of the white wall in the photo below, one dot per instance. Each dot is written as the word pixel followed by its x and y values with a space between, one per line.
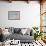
pixel 29 14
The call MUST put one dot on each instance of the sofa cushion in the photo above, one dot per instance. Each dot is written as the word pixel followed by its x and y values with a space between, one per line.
pixel 22 38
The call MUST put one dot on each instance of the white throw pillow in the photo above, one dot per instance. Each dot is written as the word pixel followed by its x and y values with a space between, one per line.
pixel 28 31
pixel 23 31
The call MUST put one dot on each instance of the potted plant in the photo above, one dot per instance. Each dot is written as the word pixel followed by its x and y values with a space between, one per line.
pixel 37 33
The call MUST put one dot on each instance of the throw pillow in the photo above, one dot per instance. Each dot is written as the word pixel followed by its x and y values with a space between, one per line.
pixel 11 30
pixel 28 31
pixel 17 30
pixel 23 31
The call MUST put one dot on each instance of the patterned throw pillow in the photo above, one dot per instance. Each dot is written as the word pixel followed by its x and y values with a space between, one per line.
pixel 17 30
pixel 11 30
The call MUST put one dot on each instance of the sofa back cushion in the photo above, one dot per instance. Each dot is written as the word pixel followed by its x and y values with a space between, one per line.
pixel 22 31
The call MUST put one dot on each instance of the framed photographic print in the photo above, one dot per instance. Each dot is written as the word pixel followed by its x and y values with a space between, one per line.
pixel 13 15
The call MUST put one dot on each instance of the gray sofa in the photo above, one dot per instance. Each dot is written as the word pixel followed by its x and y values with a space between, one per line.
pixel 15 33
pixel 22 38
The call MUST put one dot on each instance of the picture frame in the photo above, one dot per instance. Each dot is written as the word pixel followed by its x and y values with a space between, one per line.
pixel 13 15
